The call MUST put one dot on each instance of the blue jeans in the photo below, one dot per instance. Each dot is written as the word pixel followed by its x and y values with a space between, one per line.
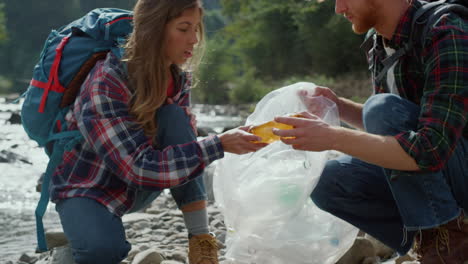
pixel 393 205
pixel 98 236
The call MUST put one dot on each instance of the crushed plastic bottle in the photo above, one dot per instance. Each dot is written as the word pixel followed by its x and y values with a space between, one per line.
pixel 265 196
pixel 265 131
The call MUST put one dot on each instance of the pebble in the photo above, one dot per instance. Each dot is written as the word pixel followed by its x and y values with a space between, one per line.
pixel 149 256
pixel 158 236
pixel 55 238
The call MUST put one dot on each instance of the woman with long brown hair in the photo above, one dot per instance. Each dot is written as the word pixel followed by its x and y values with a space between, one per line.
pixel 139 138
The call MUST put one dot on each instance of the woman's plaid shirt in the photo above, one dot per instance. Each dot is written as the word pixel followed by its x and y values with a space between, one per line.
pixel 116 158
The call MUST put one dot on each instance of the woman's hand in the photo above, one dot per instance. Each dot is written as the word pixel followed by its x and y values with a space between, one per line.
pixel 239 141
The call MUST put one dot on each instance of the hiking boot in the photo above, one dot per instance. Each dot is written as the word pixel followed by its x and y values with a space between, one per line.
pixel 203 249
pixel 446 244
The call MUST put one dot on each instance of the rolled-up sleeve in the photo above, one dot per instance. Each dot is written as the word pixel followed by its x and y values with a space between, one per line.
pixel 114 135
pixel 444 106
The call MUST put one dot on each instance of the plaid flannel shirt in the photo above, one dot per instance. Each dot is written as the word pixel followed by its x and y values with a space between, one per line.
pixel 116 158
pixel 439 87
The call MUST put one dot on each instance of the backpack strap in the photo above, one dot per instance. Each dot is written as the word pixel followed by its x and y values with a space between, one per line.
pixel 424 19
pixel 63 141
pixel 438 12
pixel 415 28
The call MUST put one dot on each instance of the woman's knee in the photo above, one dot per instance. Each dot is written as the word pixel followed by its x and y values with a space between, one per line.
pixel 173 126
pixel 167 114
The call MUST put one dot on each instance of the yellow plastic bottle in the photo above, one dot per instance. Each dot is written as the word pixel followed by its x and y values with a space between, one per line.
pixel 265 131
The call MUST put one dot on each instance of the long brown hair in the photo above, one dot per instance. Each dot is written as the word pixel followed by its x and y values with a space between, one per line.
pixel 145 56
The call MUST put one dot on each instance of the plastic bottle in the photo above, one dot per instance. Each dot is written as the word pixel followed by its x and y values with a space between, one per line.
pixel 265 131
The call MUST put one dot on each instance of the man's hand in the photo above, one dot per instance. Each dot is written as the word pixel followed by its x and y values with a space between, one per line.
pixel 313 134
pixel 349 111
pixel 314 101
pixel 239 141
pixel 310 132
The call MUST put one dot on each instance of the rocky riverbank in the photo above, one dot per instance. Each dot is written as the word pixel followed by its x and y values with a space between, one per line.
pixel 157 234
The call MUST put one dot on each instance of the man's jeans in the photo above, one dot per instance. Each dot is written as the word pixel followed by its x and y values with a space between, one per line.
pixel 98 236
pixel 387 204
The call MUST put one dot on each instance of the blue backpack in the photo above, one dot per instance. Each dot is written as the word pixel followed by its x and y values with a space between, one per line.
pixel 66 59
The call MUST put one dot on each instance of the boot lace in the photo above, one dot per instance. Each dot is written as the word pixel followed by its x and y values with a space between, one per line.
pixel 439 237
pixel 206 249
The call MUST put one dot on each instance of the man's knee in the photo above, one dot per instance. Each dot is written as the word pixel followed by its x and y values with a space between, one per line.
pixel 103 251
pixel 388 114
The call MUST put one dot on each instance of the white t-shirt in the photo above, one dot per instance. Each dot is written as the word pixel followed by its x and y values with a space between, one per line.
pixel 391 73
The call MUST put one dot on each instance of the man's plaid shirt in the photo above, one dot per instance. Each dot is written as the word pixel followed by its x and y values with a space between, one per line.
pixel 116 158
pixel 439 87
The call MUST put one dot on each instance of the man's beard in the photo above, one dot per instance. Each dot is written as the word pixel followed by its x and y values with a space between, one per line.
pixel 366 20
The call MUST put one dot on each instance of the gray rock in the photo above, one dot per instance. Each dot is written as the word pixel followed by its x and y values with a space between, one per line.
pixel 409 258
pixel 141 225
pixel 131 233
pixel 143 239
pixel 371 260
pixel 360 251
pixel 135 217
pixel 7 156
pixel 131 255
pixel 217 224
pixel 179 227
pixel 221 237
pixel 205 131
pixel 15 118
pixel 176 213
pixel 171 262
pixel 381 250
pixel 27 259
pixel 179 256
pixel 61 255
pixel 143 248
pixel 149 256
pixel 55 238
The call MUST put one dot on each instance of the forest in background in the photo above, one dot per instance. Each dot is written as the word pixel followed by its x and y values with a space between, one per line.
pixel 253 46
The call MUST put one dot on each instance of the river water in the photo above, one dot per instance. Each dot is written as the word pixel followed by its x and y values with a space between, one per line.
pixel 18 178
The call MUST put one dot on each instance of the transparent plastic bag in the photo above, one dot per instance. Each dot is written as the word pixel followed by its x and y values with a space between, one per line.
pixel 264 196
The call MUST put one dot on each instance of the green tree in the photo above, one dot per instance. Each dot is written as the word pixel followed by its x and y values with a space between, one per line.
pixel 29 22
pixel 267 41
pixel 286 37
pixel 3 31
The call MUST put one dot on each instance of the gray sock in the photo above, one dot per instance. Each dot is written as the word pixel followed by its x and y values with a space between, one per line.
pixel 196 222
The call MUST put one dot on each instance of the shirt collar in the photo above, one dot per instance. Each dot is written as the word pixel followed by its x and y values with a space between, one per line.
pixel 403 29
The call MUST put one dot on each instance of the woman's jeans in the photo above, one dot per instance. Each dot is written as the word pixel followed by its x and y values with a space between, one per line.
pixel 98 236
pixel 387 204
